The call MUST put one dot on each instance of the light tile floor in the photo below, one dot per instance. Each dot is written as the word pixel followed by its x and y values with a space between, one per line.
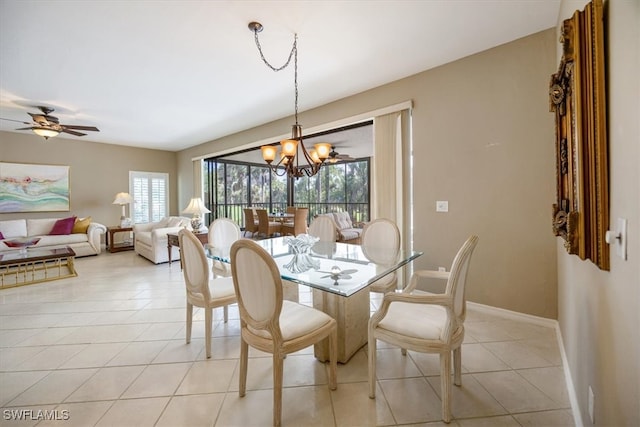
pixel 107 348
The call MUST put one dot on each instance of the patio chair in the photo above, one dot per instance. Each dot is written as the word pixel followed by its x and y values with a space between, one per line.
pixel 250 221
pixel 267 228
pixel 299 223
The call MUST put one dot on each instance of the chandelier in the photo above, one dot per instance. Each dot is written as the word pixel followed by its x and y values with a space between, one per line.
pixel 295 161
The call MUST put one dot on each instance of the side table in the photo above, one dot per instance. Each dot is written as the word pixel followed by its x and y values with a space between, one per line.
pixel 172 240
pixel 112 246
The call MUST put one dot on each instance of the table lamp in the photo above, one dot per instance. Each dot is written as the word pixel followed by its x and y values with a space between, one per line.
pixel 123 199
pixel 196 208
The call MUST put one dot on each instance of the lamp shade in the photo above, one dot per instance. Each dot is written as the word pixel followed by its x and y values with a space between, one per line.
pixel 196 206
pixel 268 153
pixel 123 199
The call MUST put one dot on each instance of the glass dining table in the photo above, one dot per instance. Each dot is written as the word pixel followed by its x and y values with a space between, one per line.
pixel 338 274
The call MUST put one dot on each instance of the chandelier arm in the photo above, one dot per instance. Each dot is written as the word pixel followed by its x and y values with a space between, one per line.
pixel 276 170
pixel 310 161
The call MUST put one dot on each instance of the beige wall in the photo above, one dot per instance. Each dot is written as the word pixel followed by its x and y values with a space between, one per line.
pixel 483 140
pixel 599 311
pixel 97 171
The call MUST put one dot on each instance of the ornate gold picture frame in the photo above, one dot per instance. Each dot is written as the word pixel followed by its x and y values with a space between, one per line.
pixel 577 96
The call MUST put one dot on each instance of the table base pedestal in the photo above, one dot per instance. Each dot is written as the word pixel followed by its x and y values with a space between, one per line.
pixel 352 315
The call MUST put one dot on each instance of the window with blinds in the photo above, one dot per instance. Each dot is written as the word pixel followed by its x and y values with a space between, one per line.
pixel 150 191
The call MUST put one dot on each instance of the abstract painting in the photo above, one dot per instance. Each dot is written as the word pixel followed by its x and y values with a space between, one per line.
pixel 33 188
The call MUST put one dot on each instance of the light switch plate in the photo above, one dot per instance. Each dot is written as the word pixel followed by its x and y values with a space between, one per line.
pixel 621 247
pixel 618 238
pixel 442 206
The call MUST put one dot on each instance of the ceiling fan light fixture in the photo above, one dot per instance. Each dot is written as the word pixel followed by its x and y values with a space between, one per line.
pixel 45 132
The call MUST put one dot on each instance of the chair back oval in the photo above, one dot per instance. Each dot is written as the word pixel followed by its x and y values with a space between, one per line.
pixel 195 267
pixel 458 276
pixel 324 228
pixel 258 285
pixel 380 241
pixel 223 232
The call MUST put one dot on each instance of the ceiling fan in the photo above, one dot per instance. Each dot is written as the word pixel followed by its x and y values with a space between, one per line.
pixel 49 126
pixel 334 156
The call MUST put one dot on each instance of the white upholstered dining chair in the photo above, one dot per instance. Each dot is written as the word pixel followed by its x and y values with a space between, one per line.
pixel 271 324
pixel 324 228
pixel 222 233
pixel 380 243
pixel 201 291
pixel 426 323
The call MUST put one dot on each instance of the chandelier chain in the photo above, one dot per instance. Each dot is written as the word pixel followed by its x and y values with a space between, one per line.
pixel 293 54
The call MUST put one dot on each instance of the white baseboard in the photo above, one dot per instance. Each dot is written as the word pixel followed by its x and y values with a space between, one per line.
pixel 549 323
pixel 571 390
pixel 514 315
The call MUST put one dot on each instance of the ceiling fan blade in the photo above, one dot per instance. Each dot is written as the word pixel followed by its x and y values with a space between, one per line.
pixel 17 121
pixel 72 132
pixel 29 128
pixel 77 127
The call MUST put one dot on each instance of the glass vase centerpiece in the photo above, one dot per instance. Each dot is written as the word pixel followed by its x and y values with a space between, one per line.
pixel 22 243
pixel 301 247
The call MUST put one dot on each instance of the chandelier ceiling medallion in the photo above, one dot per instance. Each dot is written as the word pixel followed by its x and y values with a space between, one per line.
pixel 292 150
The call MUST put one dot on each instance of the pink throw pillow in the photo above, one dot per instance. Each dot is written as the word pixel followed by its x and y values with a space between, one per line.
pixel 63 226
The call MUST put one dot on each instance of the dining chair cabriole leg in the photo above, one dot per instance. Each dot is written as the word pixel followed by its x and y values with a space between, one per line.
pixel 244 359
pixel 372 366
pixel 457 366
pixel 445 385
pixel 333 362
pixel 189 321
pixel 208 314
pixel 278 370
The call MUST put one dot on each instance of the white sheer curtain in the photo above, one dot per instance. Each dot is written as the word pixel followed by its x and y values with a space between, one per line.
pixel 391 168
pixel 391 172
pixel 197 178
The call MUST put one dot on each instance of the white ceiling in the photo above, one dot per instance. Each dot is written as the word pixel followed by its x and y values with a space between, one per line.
pixel 170 74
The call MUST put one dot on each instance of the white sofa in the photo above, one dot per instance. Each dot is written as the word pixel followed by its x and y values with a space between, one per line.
pixel 346 230
pixel 150 239
pixel 84 242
